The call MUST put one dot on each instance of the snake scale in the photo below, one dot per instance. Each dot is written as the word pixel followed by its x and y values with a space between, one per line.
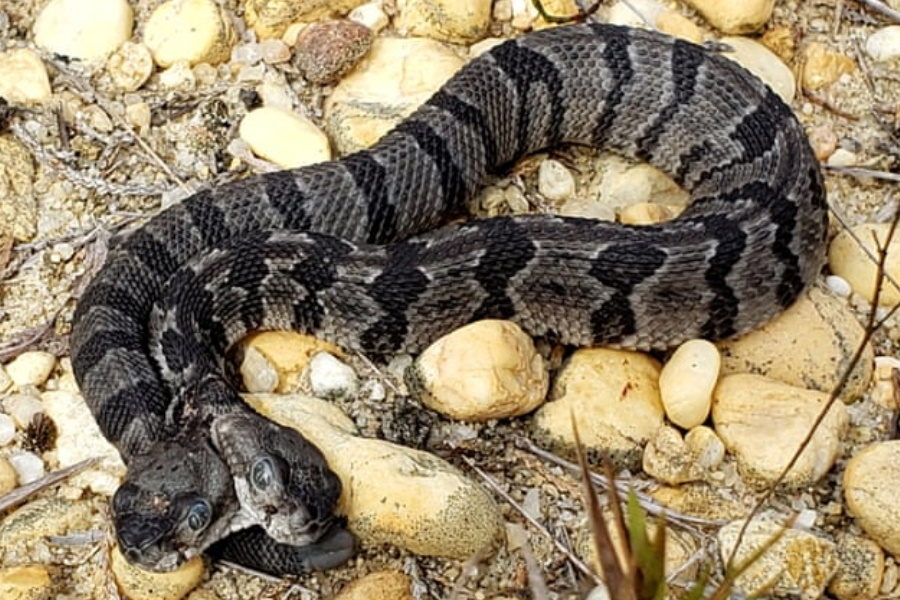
pixel 351 251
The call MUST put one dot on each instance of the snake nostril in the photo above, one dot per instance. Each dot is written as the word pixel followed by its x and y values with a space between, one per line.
pixel 270 509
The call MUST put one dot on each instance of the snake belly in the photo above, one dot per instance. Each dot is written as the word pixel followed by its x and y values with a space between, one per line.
pixel 330 248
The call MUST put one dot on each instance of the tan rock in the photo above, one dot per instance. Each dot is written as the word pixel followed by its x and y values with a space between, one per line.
pixel 645 213
pixel 397 76
pixel 370 14
pixel 31 368
pixel 728 16
pixel 23 78
pixel 687 380
pixel 287 139
pixel 679 26
pixel 30 582
pixel 525 16
pixel 699 500
pixel 798 564
pixel 138 584
pixel 39 518
pixel 871 489
pixel 380 585
pixel 289 353
pixel 763 422
pixel 193 31
pixel 808 345
pixel 822 67
pixel 860 570
pixel 613 396
pixel 485 370
pixel 83 29
pixel 271 18
pixel 394 494
pixel 130 66
pixel 18 204
pixel 7 476
pixel 459 21
pixel 673 460
pixel 326 51
pixel 847 259
pixel 555 181
pixel 763 63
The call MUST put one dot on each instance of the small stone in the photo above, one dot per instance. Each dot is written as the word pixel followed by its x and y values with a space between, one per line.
pixel 798 564
pixel 746 16
pixel 83 29
pixel 871 489
pixel 839 285
pixel 139 584
pixel 636 13
pixel 842 157
pixel 847 259
pixel 884 44
pixel 525 16
pixel 860 570
pixel 380 585
pixel 30 582
pixel 745 407
pixel 178 77
pixel 22 408
pixel 614 398
pixel 284 137
pixel 331 378
pixel 459 21
pixel 822 67
pixel 44 517
pixel 706 447
pixel 485 370
pixel 763 63
pixel 23 78
pixel 668 459
pixel 7 429
pixel 258 374
pixel 6 381
pixel 138 115
pixel 289 352
pixel 130 66
pixel 624 185
pixel 823 140
pixel 192 31
pixel 676 25
pixel 326 51
pixel 555 181
pixel 28 466
pixel 687 381
pixel 645 213
pixel 370 14
pixel 271 18
pixel 274 52
pixel 18 202
pixel 8 478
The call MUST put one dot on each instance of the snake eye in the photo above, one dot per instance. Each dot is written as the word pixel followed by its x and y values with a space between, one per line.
pixel 262 473
pixel 199 515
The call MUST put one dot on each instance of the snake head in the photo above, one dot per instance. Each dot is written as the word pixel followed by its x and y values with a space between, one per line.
pixel 282 481
pixel 176 500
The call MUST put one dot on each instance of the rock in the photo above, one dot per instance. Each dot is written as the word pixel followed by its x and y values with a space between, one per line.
pixel 330 378
pixel 485 370
pixel 763 63
pixel 842 157
pixel 555 181
pixel 326 51
pixel 22 408
pixel 884 44
pixel 23 78
pixel 706 447
pixel 7 429
pixel 635 13
pixel 28 466
pixel 746 16
pixel 763 421
pixel 271 18
pixel 459 21
pixel 668 459
pixel 700 500
pixel 79 438
pixel 130 66
pixel 393 494
pixel 687 380
pixel 824 141
pixel 31 368
pixel 258 374
pixel 138 584
pixel 30 582
pixel 613 396
pixel 822 67
pixel 871 489
pixel 178 77
pixel 394 79
pixel 370 14
pixel 6 381
pixel 83 29
pixel 274 52
pixel 525 16
pixel 624 184
pixel 860 569
pixel 798 564
pixel 808 345
pixel 41 518
pixel 676 25
pixel 380 585
pixel 8 478
pixel 839 286
pixel 289 352
pixel 18 204
pixel 645 213
pixel 193 31
pixel 284 137
pixel 848 260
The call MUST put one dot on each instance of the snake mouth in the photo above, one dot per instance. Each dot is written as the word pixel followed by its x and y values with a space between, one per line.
pixel 143 542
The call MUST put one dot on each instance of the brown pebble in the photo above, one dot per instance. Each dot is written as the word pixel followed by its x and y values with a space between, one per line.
pixel 325 51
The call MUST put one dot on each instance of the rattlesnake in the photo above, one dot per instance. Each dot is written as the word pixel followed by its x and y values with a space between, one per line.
pixel 321 249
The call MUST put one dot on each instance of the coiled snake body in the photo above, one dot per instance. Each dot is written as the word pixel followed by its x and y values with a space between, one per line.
pixel 322 249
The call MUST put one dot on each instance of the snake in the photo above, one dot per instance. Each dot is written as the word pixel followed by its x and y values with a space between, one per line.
pixel 358 251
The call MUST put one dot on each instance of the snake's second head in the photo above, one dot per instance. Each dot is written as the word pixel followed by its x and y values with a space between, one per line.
pixel 176 500
pixel 282 481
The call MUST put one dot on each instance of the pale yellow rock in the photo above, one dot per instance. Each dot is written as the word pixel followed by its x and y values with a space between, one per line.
pixel 871 489
pixel 822 67
pixel 23 78
pixel 393 494
pixel 700 500
pixel 31 582
pixel 370 14
pixel 193 31
pixel 397 76
pixel 671 459
pixel 762 423
pixel 687 380
pixel 271 18
pixel 289 352
pixel 847 259
pixel 635 13
pixel 525 16
pixel 138 584
pixel 485 370
pixel 18 204
pixel 555 181
pixel 706 447
pixel 675 24
pixel 625 185
pixel 884 44
pixel 380 585
pixel 613 396
pixel 42 517
pixel 287 139
pixel 729 16
pixel 763 63
pixel 799 564
pixel 459 21
pixel 645 213
pixel 31 368
pixel 860 570
pixel 7 476
pixel 808 345
pixel 83 29
pixel 130 66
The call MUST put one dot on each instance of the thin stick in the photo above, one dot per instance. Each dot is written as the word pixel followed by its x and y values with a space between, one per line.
pixel 23 492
